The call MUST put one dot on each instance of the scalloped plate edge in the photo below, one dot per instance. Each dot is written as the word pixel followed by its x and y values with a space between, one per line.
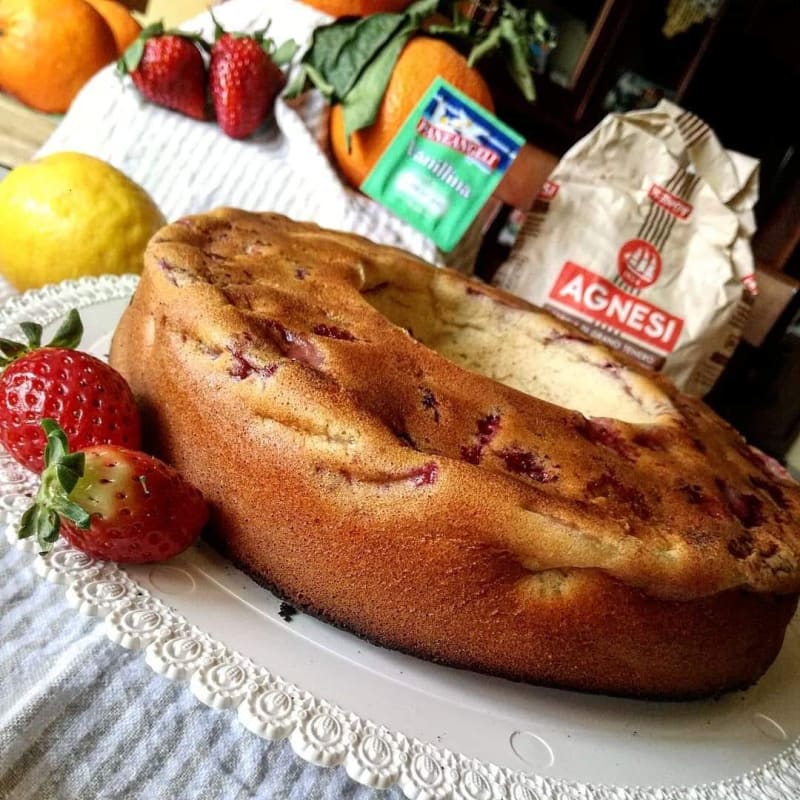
pixel 319 732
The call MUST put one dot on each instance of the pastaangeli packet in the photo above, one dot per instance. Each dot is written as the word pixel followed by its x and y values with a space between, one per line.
pixel 443 164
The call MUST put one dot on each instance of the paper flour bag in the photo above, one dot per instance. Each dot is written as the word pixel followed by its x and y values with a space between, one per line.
pixel 641 238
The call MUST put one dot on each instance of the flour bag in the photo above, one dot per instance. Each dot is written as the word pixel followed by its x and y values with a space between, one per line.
pixel 641 238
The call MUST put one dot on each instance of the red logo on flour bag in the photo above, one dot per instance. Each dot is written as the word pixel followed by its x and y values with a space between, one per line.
pixel 638 263
pixel 669 202
pixel 456 141
pixel 593 297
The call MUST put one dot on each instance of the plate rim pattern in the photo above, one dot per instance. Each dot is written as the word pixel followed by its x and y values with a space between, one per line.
pixel 269 706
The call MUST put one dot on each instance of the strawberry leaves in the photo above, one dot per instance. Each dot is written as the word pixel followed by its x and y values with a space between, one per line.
pixel 132 57
pixel 240 73
pixel 245 79
pixel 68 336
pixel 113 503
pixel 61 474
pixel 280 54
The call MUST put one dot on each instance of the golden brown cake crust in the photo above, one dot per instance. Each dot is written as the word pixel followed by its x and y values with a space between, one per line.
pixel 366 430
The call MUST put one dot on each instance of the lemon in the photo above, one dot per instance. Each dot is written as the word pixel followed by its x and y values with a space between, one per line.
pixel 68 215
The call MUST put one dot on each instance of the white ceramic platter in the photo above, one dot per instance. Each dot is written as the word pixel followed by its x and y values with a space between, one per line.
pixel 390 718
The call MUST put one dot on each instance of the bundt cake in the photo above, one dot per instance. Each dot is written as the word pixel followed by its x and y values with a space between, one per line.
pixel 446 470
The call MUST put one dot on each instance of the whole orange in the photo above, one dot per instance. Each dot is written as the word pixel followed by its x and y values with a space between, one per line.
pixel 422 60
pixel 50 48
pixel 357 8
pixel 124 27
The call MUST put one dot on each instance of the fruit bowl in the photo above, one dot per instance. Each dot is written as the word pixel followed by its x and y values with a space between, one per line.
pixel 390 718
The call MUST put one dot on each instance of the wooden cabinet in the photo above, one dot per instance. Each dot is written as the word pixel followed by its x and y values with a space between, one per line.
pixel 611 55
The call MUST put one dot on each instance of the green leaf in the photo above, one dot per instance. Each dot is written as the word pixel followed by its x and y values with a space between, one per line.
pixel 69 333
pixel 74 512
pixel 361 104
pixel 12 349
pixel 27 524
pixel 319 81
pixel 485 46
pixel 57 446
pixel 67 476
pixel 263 32
pixel 131 57
pixel 33 333
pixel 297 83
pixel 152 30
pixel 351 61
pixel 76 462
pixel 342 51
pixel 47 528
pixel 418 12
pixel 285 53
pixel 61 474
pixel 219 31
pixel 51 529
pixel 515 55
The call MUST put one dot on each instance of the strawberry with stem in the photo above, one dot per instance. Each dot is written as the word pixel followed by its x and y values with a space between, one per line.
pixel 167 68
pixel 86 396
pixel 112 503
pixel 245 77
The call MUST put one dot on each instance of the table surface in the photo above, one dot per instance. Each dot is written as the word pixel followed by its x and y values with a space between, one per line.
pixel 22 131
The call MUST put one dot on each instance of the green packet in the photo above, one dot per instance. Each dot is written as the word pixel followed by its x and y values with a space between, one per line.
pixel 443 164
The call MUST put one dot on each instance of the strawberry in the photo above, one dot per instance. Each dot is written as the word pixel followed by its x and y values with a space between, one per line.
pixel 245 78
pixel 86 396
pixel 168 69
pixel 112 503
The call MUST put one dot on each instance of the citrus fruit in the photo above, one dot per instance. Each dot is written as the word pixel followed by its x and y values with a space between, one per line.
pixel 68 215
pixel 50 48
pixel 357 8
pixel 124 27
pixel 420 62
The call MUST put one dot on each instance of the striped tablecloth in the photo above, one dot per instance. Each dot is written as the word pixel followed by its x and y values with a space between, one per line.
pixel 80 717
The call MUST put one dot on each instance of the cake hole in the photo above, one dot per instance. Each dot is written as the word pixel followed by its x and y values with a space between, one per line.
pixel 512 346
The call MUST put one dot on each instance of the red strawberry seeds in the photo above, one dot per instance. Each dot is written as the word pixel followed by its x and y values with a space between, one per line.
pixel 168 69
pixel 112 503
pixel 86 396
pixel 244 83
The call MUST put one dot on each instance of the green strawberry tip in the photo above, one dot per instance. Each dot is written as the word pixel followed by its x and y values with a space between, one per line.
pixel 281 54
pixel 131 58
pixel 62 471
pixel 67 337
